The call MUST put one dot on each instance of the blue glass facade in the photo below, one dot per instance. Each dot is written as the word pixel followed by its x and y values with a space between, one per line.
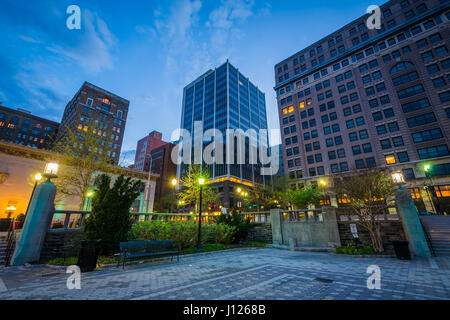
pixel 225 99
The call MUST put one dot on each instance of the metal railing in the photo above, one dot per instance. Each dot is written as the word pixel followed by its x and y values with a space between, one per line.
pixel 140 216
pixel 346 214
pixel 10 243
pixel 65 219
pixel 428 238
pixel 257 217
pixel 307 215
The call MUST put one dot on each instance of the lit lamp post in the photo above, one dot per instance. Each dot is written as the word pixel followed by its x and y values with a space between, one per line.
pixel 323 184
pixel 201 182
pixel 10 210
pixel 39 219
pixel 89 196
pixel 37 178
pixel 431 191
pixel 409 218
pixel 174 185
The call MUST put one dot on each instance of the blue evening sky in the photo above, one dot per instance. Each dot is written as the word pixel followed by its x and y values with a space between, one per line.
pixel 147 51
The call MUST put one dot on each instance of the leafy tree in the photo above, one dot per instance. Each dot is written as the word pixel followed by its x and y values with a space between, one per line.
pixel 166 204
pixel 270 196
pixel 305 196
pixel 370 194
pixel 190 191
pixel 109 220
pixel 82 153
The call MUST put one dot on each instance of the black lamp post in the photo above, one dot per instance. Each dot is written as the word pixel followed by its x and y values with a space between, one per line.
pixel 174 184
pixel 431 189
pixel 201 182
pixel 37 178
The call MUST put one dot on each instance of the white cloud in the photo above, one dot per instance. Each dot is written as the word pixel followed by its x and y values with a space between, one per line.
pixel 95 50
pixel 230 12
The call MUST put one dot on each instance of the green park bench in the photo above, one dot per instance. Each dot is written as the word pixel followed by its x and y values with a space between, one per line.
pixel 143 249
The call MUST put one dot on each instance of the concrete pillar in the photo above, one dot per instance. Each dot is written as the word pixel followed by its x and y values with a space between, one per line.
pixel 276 217
pixel 331 226
pixel 411 223
pixel 36 225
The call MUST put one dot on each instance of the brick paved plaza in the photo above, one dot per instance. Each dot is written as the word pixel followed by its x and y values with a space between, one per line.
pixel 245 274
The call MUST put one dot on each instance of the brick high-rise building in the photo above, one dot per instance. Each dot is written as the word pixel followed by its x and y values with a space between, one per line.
pixel 152 152
pixel 21 127
pixel 145 146
pixel 161 163
pixel 94 106
pixel 361 98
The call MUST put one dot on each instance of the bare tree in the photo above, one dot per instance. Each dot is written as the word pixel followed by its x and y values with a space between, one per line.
pixel 82 153
pixel 370 194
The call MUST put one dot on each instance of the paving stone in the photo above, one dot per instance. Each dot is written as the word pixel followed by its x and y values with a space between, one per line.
pixel 251 274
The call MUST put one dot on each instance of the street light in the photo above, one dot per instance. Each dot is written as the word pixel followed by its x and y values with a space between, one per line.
pixel 398 177
pixel 201 182
pixel 10 210
pixel 37 178
pixel 51 170
pixel 323 183
pixel 174 184
pixel 431 191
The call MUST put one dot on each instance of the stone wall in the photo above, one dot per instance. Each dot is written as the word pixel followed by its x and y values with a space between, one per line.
pixel 60 242
pixel 321 231
pixel 261 232
pixel 390 231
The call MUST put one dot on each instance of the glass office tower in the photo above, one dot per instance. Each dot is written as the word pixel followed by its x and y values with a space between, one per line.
pixel 225 99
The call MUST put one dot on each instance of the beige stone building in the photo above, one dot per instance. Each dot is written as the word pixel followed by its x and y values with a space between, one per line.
pixel 19 165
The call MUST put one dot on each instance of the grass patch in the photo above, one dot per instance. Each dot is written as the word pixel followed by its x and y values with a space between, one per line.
pixel 70 261
pixel 257 244
pixel 73 261
pixel 351 250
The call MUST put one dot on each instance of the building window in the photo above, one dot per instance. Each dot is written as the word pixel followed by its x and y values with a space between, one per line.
pixel 403 157
pixel 390 159
pixel 385 144
pixel 433 152
pixel 360 164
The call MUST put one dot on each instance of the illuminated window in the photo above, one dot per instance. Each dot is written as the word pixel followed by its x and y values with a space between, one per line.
pixel 390 159
pixel 105 101
pixel 302 104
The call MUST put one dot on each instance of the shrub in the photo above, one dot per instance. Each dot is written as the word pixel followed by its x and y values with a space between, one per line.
pixel 183 233
pixel 366 250
pixel 109 220
pixel 353 251
pixel 70 261
pixel 241 226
